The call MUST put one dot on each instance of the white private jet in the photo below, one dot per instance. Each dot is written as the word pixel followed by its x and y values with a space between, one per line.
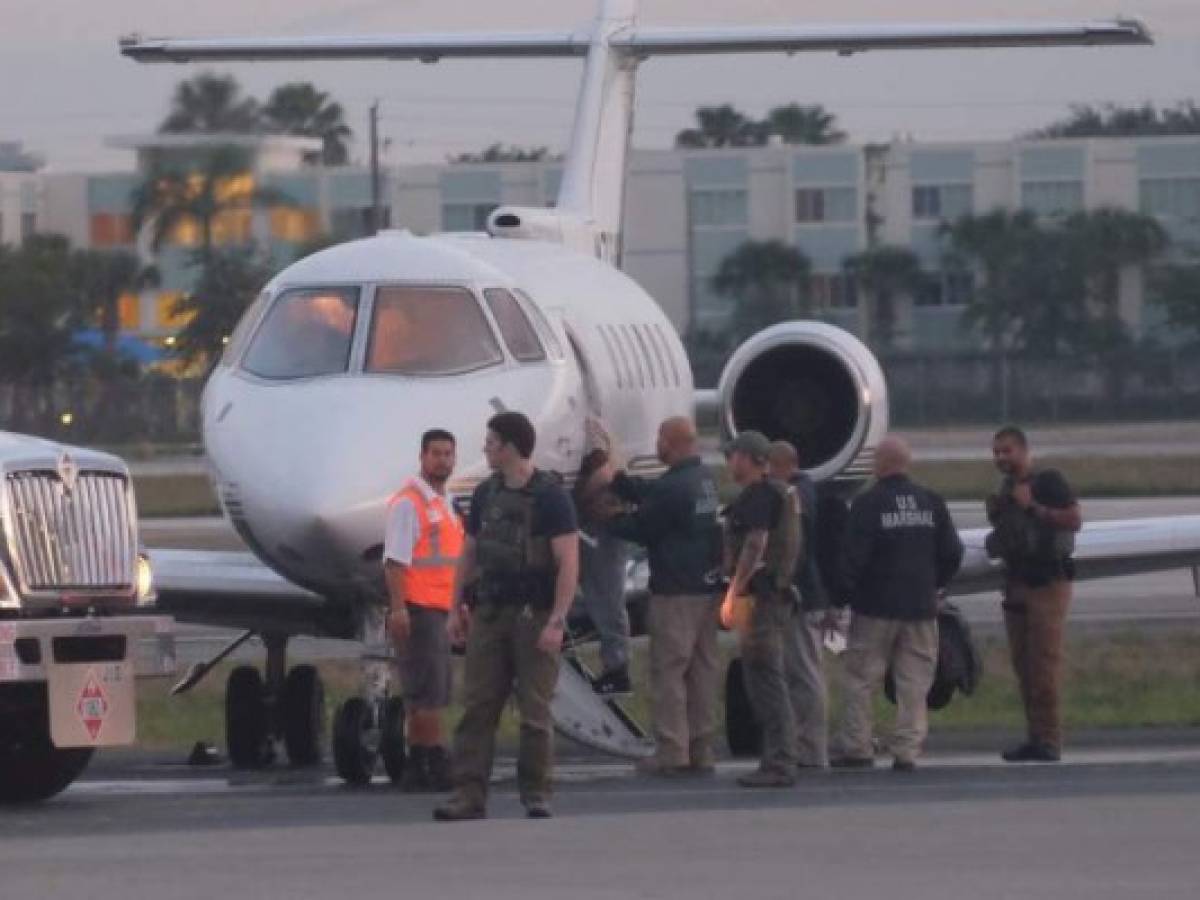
pixel 350 354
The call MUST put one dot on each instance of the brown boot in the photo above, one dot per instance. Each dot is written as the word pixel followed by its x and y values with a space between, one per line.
pixel 459 809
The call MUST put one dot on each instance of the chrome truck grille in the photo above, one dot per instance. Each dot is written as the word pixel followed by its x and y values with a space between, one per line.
pixel 82 538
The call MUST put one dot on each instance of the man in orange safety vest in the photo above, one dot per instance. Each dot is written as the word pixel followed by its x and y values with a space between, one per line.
pixel 422 544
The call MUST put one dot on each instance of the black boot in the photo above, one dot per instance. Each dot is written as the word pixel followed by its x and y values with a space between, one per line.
pixel 415 779
pixel 438 769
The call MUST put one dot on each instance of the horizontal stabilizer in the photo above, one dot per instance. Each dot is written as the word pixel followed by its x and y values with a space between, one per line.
pixel 641 42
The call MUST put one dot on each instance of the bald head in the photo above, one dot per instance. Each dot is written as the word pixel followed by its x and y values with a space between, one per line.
pixel 892 456
pixel 782 460
pixel 676 439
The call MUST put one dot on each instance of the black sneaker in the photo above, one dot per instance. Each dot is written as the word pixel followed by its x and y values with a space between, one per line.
pixel 852 762
pixel 614 683
pixel 1032 751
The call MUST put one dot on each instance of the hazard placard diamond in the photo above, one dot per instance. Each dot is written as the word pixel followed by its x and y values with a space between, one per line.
pixel 92 705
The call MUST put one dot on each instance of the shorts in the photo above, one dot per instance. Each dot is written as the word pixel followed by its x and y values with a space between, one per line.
pixel 424 659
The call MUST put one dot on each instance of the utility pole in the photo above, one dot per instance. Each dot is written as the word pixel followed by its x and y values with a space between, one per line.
pixel 376 218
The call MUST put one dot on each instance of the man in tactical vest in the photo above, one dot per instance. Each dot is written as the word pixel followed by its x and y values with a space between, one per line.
pixel 763 527
pixel 901 550
pixel 803 669
pixel 522 555
pixel 1034 519
pixel 675 518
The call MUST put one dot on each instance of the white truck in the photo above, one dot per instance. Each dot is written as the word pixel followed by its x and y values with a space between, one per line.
pixel 76 613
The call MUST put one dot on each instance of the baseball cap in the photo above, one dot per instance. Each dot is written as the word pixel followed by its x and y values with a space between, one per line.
pixel 753 443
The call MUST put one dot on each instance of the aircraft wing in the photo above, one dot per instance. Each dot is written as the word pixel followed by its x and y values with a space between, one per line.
pixel 235 590
pixel 1102 550
pixel 641 42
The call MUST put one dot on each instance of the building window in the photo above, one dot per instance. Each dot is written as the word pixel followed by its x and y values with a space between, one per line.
pixel 946 289
pixel 1173 198
pixel 28 225
pixel 294 224
pixel 166 318
pixel 110 230
pixel 719 208
pixel 826 204
pixel 232 226
pixel 944 202
pixel 129 312
pixel 466 216
pixel 352 222
pixel 838 291
pixel 1052 198
pixel 185 232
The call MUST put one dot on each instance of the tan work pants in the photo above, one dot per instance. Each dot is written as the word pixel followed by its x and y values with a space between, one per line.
pixel 1035 618
pixel 806 687
pixel 911 649
pixel 684 671
pixel 765 651
pixel 502 652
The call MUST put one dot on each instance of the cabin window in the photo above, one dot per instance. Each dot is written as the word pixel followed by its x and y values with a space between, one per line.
pixel 236 342
pixel 543 326
pixel 429 331
pixel 306 332
pixel 518 334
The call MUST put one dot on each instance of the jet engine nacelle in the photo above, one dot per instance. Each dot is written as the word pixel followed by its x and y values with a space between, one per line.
pixel 813 384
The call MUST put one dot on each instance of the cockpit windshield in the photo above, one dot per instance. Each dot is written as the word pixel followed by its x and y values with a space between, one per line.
pixel 429 331
pixel 307 332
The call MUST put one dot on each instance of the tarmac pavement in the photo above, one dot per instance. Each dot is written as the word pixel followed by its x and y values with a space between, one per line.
pixel 1107 823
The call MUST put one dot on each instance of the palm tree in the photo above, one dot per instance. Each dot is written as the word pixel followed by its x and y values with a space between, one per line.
pixel 884 273
pixel 722 126
pixel 101 278
pixel 768 281
pixel 211 103
pixel 226 288
pixel 796 124
pixel 172 197
pixel 300 109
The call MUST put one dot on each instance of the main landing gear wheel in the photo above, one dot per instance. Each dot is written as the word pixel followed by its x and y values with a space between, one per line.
pixel 392 747
pixel 303 708
pixel 31 767
pixel 354 747
pixel 247 724
pixel 742 730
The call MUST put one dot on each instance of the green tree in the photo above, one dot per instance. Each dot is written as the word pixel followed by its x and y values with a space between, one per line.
pixel 768 282
pixel 1110 120
pixel 722 126
pixel 883 274
pixel 173 196
pixel 39 312
pixel 227 286
pixel 497 153
pixel 300 109
pixel 1176 288
pixel 797 124
pixel 209 102
pixel 100 278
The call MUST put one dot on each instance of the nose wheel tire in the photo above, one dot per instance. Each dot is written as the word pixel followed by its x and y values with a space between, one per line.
pixel 742 730
pixel 355 747
pixel 392 747
pixel 303 708
pixel 247 724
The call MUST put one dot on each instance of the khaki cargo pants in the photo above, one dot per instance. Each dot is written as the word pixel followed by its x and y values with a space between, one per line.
pixel 805 676
pixel 911 649
pixel 684 675
pixel 1035 618
pixel 502 654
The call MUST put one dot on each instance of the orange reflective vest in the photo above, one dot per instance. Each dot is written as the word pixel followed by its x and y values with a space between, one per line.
pixel 429 581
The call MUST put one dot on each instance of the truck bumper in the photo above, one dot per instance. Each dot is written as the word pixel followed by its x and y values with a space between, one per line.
pixel 30 647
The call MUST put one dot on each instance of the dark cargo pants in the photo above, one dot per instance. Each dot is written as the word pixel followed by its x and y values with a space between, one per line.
pixel 1035 618
pixel 502 654
pixel 763 661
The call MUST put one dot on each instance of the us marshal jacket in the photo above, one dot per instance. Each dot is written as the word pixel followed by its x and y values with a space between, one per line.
pixel 901 548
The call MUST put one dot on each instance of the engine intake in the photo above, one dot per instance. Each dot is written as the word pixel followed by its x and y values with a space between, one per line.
pixel 813 384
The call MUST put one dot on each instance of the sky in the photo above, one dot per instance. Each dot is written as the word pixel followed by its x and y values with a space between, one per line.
pixel 64 89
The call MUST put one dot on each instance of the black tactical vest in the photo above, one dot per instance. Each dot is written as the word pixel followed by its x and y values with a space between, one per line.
pixel 515 565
